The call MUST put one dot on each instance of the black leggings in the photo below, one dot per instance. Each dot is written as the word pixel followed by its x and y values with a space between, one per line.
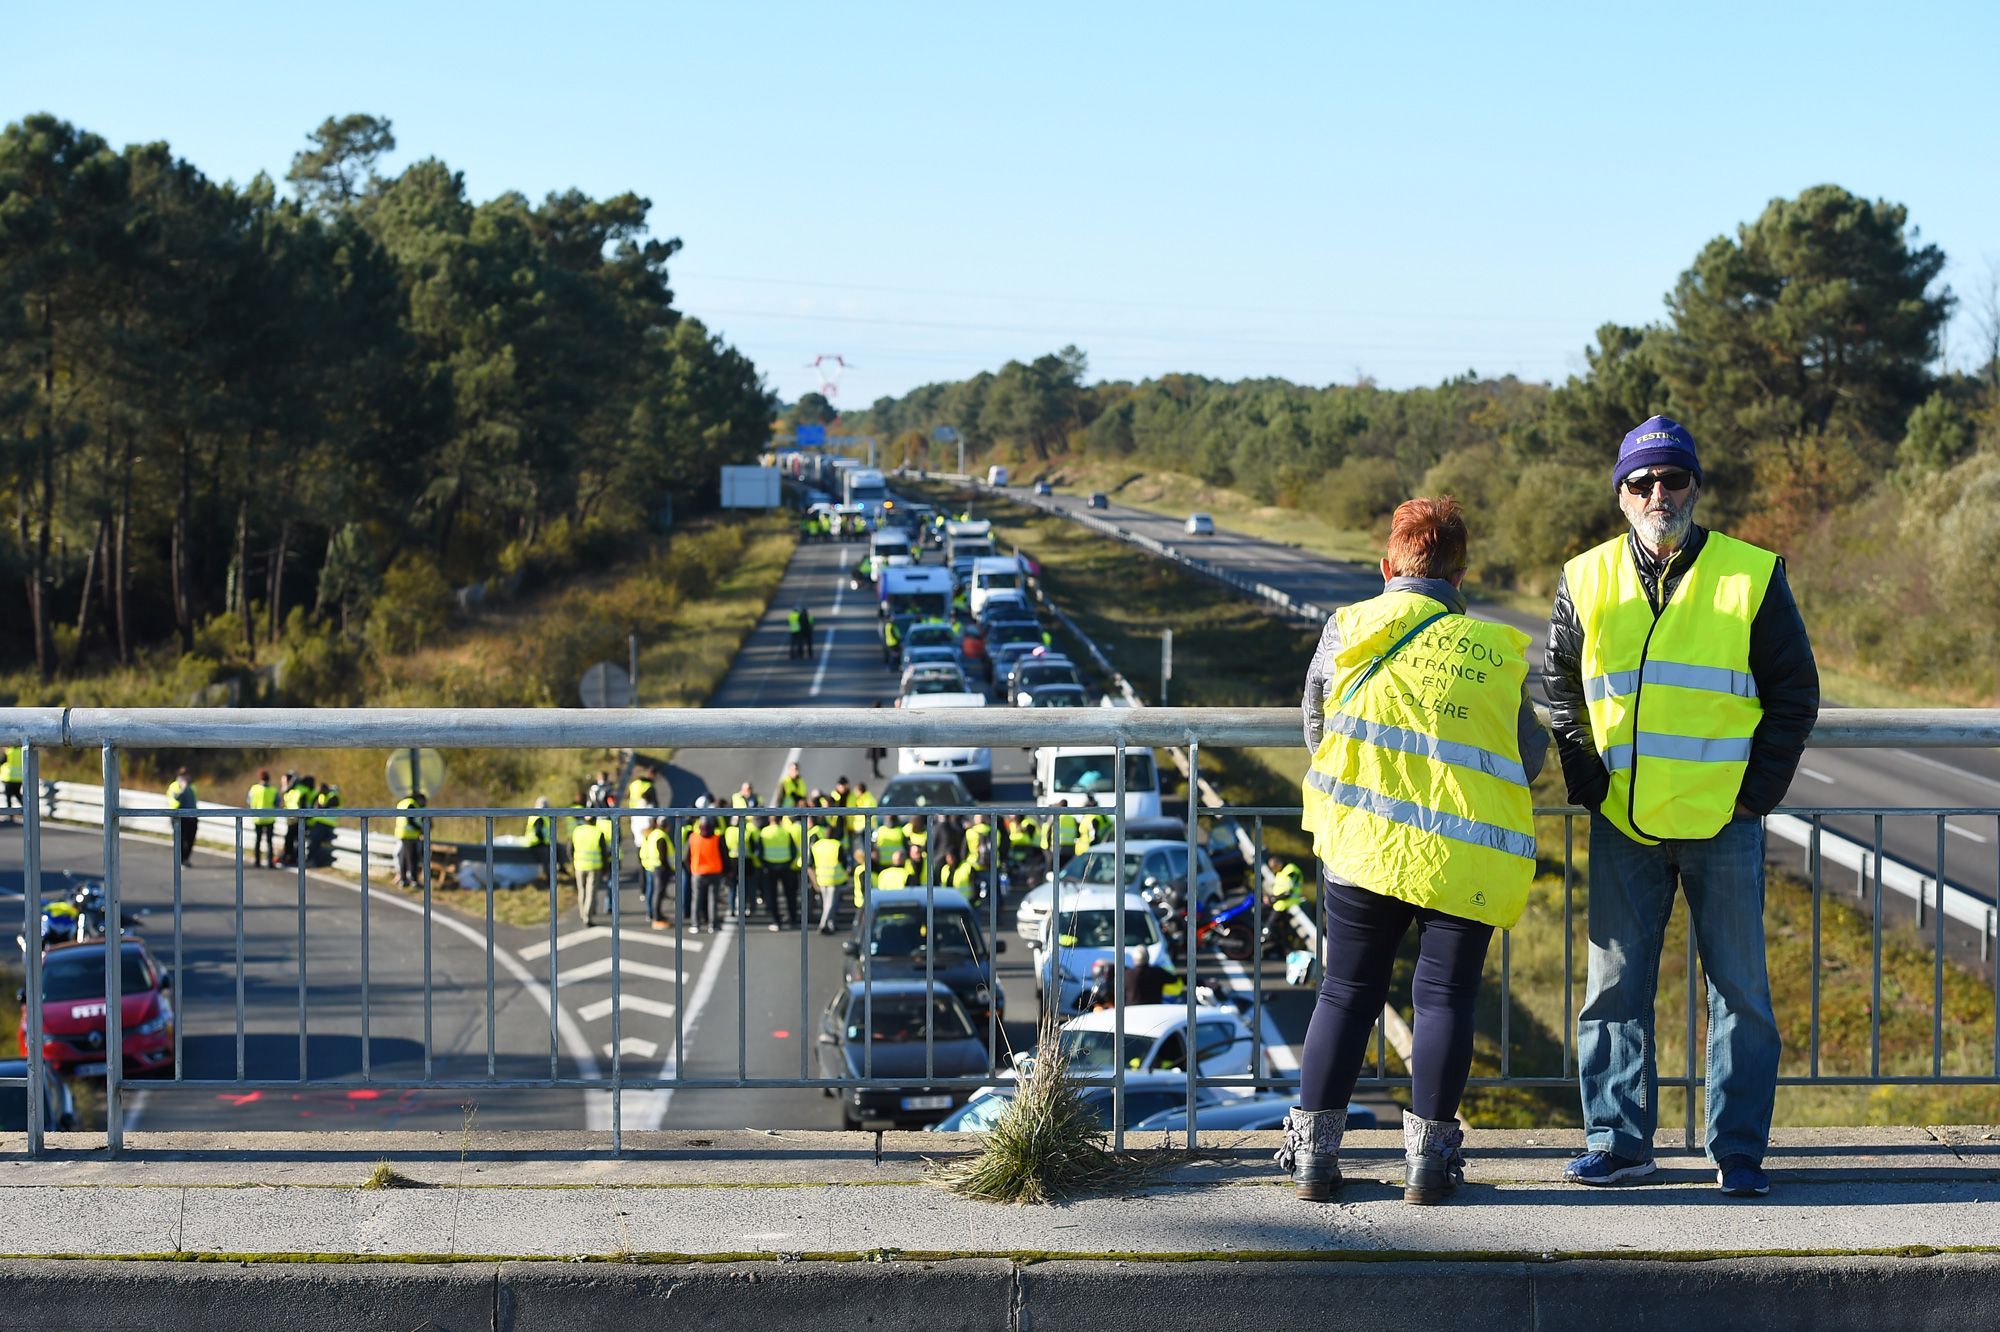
pixel 1364 930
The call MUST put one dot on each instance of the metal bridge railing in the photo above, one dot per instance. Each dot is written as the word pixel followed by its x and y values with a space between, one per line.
pixel 571 1063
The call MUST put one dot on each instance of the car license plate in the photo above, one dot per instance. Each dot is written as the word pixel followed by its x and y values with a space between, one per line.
pixel 92 1070
pixel 927 1102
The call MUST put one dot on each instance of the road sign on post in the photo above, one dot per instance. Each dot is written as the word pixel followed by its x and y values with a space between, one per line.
pixel 606 685
pixel 418 772
pixel 809 436
pixel 1166 662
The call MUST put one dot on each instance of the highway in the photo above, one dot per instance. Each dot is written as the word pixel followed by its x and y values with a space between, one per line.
pixel 1943 778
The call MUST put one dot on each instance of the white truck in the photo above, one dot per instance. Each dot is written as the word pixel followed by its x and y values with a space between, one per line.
pixel 968 540
pixel 864 486
pixel 919 589
pixel 1069 773
pixel 991 574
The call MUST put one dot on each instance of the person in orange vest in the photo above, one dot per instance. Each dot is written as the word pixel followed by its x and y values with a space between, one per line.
pixel 704 862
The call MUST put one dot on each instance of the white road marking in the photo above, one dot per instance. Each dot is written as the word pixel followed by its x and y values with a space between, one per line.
pixel 1941 765
pixel 634 1003
pixel 1816 775
pixel 825 648
pixel 650 1108
pixel 626 967
pixel 634 1045
pixel 575 937
pixel 1966 833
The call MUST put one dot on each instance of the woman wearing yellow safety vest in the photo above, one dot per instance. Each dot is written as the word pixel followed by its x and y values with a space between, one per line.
pixel 263 795
pixel 1424 742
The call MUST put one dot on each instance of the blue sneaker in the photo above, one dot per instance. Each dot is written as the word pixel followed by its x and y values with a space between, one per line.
pixel 1595 1167
pixel 1740 1177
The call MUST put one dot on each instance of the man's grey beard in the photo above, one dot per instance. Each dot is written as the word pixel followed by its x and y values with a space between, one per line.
pixel 1664 531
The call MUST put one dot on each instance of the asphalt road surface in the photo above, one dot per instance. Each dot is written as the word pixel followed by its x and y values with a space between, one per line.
pixel 1829 778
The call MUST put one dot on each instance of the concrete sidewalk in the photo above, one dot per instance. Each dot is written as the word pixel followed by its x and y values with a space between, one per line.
pixel 1896 1210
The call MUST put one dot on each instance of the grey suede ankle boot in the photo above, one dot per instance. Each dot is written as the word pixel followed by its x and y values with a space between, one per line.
pixel 1312 1151
pixel 1433 1165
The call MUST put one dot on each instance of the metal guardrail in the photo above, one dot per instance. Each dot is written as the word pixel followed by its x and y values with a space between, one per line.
pixel 113 731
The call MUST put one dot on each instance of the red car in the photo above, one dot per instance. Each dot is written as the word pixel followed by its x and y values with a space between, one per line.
pixel 73 1010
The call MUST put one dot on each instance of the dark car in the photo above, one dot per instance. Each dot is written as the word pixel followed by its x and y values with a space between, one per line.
pixel 891 942
pixel 1097 500
pixel 73 1003
pixel 890 1033
pixel 1048 669
pixel 917 788
pixel 58 1104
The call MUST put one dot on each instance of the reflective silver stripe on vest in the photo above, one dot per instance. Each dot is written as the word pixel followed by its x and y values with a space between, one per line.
pixel 1406 741
pixel 1422 818
pixel 1679 674
pixel 1654 744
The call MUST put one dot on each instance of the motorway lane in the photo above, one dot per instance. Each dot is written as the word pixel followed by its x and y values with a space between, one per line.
pixel 205 997
pixel 1944 778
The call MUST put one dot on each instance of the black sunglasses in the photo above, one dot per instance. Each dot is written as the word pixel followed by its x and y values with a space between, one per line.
pixel 1675 481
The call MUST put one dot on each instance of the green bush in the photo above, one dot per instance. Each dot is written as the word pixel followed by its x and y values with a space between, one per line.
pixel 1551 513
pixel 1363 491
pixel 414 604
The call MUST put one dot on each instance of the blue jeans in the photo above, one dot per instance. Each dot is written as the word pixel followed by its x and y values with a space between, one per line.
pixel 1631 897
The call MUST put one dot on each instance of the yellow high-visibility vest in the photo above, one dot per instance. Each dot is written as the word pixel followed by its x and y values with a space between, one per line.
pixel 1417 790
pixel 656 849
pixel 860 800
pixel 588 843
pixel 13 768
pixel 829 862
pixel 264 796
pixel 776 844
pixel 893 876
pixel 1672 703
pixel 407 828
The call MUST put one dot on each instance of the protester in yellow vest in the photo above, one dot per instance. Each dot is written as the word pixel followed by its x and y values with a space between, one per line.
pixel 13 772
pixel 589 846
pixel 263 795
pixel 409 838
pixel 180 794
pixel 656 866
pixel 829 871
pixel 1424 742
pixel 778 852
pixel 791 787
pixel 895 874
pixel 1681 687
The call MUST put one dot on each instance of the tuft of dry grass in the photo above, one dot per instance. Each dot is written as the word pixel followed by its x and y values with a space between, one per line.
pixel 386 1176
pixel 1047 1146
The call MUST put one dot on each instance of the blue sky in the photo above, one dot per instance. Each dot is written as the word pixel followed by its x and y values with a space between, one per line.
pixel 1316 191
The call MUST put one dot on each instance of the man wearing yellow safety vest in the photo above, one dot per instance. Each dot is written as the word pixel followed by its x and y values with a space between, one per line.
pixel 1681 688
pixel 409 839
pixel 180 794
pixel 1424 742
pixel 829 870
pixel 589 850
pixel 13 771
pixel 895 874
pixel 539 832
pixel 263 795
pixel 792 786
pixel 778 851
pixel 656 867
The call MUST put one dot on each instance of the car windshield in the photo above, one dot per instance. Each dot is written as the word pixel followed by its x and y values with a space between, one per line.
pixel 982 1112
pixel 1032 673
pixel 1097 928
pixel 1092 772
pixel 995 582
pixel 1095 867
pixel 1057 696
pixel 1012 631
pixel 930 635
pixel 936 683
pixel 924 792
pixel 80 975
pixel 1096 1051
pixel 898 1019
pixel 899 932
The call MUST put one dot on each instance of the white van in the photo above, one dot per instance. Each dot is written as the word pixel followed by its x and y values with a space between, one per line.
pixel 887 541
pixel 990 574
pixel 972 764
pixel 1089 772
pixel 996 475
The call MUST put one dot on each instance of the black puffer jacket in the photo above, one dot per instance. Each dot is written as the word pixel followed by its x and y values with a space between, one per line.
pixel 1781 660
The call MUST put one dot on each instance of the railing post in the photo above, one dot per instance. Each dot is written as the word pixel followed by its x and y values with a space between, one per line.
pixel 1118 955
pixel 114 997
pixel 1193 914
pixel 31 939
pixel 1688 1135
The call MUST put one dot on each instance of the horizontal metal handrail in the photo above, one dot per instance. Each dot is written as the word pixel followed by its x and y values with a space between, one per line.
pixel 784 728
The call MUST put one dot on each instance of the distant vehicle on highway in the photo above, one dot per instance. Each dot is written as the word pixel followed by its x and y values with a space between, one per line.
pixel 1145 1096
pixel 1090 771
pixel 892 936
pixel 1244 1115
pixel 996 475
pixel 892 1034
pixel 1149 863
pixel 924 789
pixel 928 654
pixel 1008 608
pixel 992 576
pixel 932 677
pixel 1156 1041
pixel 1044 488
pixel 1088 935
pixel 1199 524
pixel 971 764
pixel 58 1102
pixel 1097 500
pixel 73 1002
pixel 1034 672
pixel 1053 696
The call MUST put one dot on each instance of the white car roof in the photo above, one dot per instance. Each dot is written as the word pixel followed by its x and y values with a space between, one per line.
pixel 922 702
pixel 1099 898
pixel 1149 1019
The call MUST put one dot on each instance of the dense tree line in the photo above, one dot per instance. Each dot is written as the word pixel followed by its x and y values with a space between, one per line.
pixel 218 401
pixel 1802 350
